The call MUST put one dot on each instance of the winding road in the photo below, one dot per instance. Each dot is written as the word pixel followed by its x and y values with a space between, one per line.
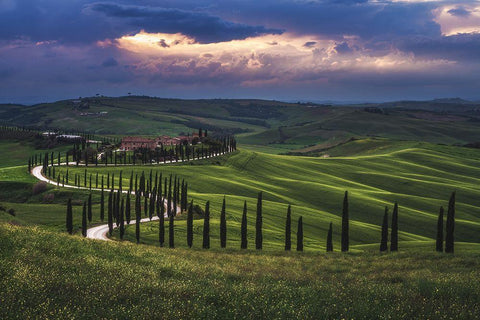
pixel 100 232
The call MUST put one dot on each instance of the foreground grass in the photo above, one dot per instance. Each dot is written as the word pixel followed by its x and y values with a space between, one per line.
pixel 49 275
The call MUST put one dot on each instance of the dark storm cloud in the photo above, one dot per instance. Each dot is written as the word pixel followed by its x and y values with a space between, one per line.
pixel 460 47
pixel 459 12
pixel 87 21
pixel 203 27
pixel 310 44
pixel 110 62
pixel 334 19
pixel 343 48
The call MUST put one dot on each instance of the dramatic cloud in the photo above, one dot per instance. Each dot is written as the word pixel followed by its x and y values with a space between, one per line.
pixel 290 49
pixel 203 27
pixel 459 12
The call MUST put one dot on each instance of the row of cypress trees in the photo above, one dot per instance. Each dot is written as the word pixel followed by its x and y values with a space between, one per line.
pixel 116 210
pixel 175 152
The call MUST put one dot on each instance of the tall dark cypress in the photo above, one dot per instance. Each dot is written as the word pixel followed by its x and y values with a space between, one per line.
pixel 394 235
pixel 84 219
pixel 244 242
pixel 102 203
pixel 330 238
pixel 161 231
pixel 117 208
pixel 190 225
pixel 300 234
pixel 127 208
pixel 145 206
pixel 206 227
pixel 175 199
pixel 384 239
pixel 69 219
pixel 110 212
pixel 171 232
pixel 345 224
pixel 450 226
pixel 258 224
pixel 138 217
pixel 121 219
pixel 223 226
pixel 182 202
pixel 288 229
pixel 90 207
pixel 130 188
pixel 439 244
pixel 169 199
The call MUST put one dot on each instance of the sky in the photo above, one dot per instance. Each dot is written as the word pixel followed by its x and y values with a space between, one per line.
pixel 316 50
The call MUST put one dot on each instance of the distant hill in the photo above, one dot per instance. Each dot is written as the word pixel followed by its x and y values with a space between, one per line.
pixel 274 126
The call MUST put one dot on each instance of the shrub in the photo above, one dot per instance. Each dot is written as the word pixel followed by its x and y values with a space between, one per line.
pixel 39 187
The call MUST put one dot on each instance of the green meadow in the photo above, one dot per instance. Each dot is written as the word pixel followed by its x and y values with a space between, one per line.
pixel 419 176
pixel 46 273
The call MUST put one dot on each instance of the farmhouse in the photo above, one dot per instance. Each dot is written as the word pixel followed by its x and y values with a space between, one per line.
pixel 132 143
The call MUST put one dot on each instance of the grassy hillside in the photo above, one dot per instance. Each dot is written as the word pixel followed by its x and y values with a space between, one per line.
pixel 270 126
pixel 50 275
pixel 420 176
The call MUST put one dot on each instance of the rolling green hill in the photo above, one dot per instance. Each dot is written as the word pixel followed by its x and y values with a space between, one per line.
pixel 269 126
pixel 419 176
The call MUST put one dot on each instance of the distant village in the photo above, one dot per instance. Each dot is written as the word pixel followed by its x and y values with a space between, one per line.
pixel 133 143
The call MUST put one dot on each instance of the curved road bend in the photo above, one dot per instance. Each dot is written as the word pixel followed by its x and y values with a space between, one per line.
pixel 98 232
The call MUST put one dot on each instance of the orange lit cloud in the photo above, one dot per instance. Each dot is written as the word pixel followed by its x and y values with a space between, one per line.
pixel 452 24
pixel 266 59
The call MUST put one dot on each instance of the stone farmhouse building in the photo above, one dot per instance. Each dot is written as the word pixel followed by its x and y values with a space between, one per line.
pixel 132 143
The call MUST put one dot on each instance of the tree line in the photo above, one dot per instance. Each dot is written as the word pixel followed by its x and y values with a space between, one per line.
pixel 164 205
pixel 82 153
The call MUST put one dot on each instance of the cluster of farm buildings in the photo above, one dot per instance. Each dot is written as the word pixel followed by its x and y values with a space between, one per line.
pixel 133 143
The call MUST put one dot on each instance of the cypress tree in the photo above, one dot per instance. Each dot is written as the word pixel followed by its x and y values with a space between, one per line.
pixel 110 213
pixel 288 229
pixel 151 208
pixel 258 224
pixel 206 227
pixel 223 226
pixel 161 231
pixel 130 188
pixel 439 244
pixel 169 199
pixel 190 225
pixel 171 230
pixel 138 215
pixel 329 238
pixel 345 226
pixel 102 204
pixel 300 234
pixel 145 206
pixel 69 221
pixel 450 226
pixel 90 207
pixel 244 242
pixel 384 240
pixel 84 219
pixel 122 226
pixel 127 209
pixel 117 208
pixel 394 235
